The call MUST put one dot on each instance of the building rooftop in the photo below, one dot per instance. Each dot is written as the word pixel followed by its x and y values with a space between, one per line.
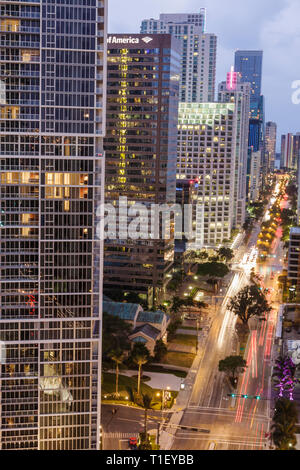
pixel 148 330
pixel 151 317
pixel 122 310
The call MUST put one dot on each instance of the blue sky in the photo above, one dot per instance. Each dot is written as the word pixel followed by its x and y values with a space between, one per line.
pixel 270 25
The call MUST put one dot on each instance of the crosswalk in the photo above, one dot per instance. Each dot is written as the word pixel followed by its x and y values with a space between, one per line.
pixel 119 435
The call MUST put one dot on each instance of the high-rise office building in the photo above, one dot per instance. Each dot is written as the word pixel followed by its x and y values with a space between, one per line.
pixel 234 91
pixel 270 145
pixel 249 65
pixel 52 75
pixel 199 52
pixel 207 152
pixel 290 151
pixel 140 144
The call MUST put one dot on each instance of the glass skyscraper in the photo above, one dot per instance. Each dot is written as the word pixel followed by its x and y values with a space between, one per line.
pixel 52 84
pixel 140 144
pixel 249 65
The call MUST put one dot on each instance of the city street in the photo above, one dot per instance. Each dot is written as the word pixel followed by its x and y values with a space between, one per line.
pixel 125 423
pixel 235 423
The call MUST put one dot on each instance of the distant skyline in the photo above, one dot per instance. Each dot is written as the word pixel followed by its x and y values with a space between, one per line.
pixel 252 24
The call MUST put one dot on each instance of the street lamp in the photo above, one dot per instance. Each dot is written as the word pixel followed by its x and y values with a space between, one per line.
pixel 162 408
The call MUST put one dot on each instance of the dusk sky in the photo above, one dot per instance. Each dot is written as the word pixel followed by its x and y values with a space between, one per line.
pixel 271 25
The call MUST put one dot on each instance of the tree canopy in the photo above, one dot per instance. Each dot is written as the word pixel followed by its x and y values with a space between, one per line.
pixel 249 302
pixel 213 269
pixel 233 365
pixel 226 253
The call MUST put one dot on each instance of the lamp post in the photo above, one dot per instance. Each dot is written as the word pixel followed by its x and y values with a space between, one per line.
pixel 162 408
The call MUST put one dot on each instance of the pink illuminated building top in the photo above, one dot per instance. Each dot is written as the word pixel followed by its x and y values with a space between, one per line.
pixel 232 79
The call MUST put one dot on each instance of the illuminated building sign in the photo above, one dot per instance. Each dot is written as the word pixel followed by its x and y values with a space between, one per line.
pixel 232 78
pixel 129 40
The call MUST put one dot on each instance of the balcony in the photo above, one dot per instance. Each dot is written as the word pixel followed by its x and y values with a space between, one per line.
pixel 21 14
pixel 18 58
pixel 22 88
pixel 19 29
pixel 21 102
pixel 19 44
pixel 20 117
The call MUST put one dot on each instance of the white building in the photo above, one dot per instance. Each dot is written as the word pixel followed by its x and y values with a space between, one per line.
pixel 199 51
pixel 270 144
pixel 207 152
pixel 234 91
pixel 255 175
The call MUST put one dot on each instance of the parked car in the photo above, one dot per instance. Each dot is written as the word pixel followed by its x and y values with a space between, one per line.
pixel 133 443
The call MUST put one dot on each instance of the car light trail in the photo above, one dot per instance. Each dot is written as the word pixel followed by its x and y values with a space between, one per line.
pixel 254 354
pixel 263 333
pixel 229 319
pixel 241 401
pixel 269 341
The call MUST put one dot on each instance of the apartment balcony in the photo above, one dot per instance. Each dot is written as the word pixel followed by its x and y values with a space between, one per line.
pixel 21 102
pixel 18 58
pixel 19 73
pixel 19 153
pixel 22 88
pixel 21 130
pixel 22 14
pixel 20 117
pixel 19 44
pixel 20 29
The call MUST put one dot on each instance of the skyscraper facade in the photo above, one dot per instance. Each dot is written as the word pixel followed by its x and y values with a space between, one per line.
pixel 207 152
pixel 270 145
pixel 290 151
pixel 249 65
pixel 234 91
pixel 255 176
pixel 52 122
pixel 142 113
pixel 199 52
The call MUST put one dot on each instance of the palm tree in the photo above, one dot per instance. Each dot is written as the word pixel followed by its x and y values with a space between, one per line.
pixel 117 356
pixel 147 402
pixel 140 355
pixel 284 436
pixel 284 424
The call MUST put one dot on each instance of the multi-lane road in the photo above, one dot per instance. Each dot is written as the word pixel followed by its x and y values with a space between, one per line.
pixel 241 423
